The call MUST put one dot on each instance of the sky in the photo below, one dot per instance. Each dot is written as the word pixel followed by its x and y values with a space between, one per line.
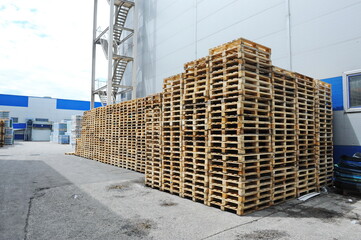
pixel 45 48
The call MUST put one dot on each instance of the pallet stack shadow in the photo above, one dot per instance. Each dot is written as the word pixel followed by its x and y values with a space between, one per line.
pixel 115 135
pixel 240 134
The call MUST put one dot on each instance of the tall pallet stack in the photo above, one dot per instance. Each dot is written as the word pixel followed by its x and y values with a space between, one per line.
pixel 115 135
pixel 324 145
pixel 90 143
pixel 123 134
pixel 97 117
pixel 140 144
pixel 172 163
pixel 240 145
pixel 195 130
pixel 306 132
pixel 131 122
pixel 284 135
pixel 153 133
pixel 59 133
pixel 75 131
pixel 107 154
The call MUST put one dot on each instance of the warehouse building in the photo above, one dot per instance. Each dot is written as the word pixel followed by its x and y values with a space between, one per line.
pixel 309 37
pixel 312 38
pixel 42 111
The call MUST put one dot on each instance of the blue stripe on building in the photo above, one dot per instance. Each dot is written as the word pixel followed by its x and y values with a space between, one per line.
pixel 74 104
pixel 19 125
pixel 337 102
pixel 18 136
pixel 14 100
pixel 337 92
pixel 42 125
pixel 339 150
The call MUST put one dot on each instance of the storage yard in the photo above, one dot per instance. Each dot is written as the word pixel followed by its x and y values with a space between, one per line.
pixel 232 131
pixel 58 196
pixel 180 120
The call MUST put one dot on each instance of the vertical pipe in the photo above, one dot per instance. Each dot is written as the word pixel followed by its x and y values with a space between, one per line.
pixel 289 34
pixel 196 30
pixel 110 54
pixel 135 49
pixel 92 96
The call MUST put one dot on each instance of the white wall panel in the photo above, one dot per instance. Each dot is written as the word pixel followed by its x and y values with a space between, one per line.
pixel 209 8
pixel 42 107
pixel 329 61
pixel 347 129
pixel 307 10
pixel 325 36
pixel 327 30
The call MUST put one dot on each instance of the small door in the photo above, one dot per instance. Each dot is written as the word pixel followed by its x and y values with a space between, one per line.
pixel 40 134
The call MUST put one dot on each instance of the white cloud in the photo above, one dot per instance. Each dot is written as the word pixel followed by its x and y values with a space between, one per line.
pixel 46 48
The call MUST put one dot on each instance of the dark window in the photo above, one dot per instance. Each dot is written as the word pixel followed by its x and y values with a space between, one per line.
pixel 354 82
pixel 41 119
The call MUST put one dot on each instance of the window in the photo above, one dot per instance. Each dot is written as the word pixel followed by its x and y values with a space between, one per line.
pixel 41 120
pixel 15 119
pixel 352 91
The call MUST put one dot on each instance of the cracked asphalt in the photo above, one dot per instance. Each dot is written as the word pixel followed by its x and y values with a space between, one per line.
pixel 45 194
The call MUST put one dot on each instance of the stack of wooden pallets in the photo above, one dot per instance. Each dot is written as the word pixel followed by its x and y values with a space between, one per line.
pixel 140 143
pixel 172 163
pixel 115 135
pixel 240 146
pixel 324 145
pixel 123 134
pixel 107 154
pixel 153 130
pixel 306 134
pixel 284 135
pixel 232 131
pixel 195 130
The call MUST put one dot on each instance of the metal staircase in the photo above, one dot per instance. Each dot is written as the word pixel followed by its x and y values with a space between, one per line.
pixel 119 62
pixel 122 11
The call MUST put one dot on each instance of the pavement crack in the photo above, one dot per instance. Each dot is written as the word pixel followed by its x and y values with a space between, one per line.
pixel 27 217
pixel 38 192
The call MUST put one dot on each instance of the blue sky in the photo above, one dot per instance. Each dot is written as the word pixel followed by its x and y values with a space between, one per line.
pixel 45 48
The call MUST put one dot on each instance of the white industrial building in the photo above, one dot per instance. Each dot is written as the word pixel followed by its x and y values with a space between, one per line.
pixel 42 111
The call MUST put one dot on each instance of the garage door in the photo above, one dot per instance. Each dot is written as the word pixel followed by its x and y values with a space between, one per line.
pixel 40 134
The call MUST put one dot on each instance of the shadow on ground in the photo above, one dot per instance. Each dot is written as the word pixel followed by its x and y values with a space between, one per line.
pixel 36 202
